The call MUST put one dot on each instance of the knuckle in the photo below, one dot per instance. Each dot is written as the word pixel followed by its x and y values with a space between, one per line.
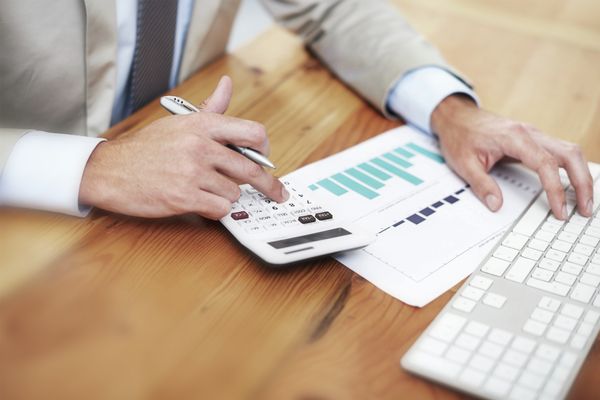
pixel 574 150
pixel 218 210
pixel 258 132
pixel 253 170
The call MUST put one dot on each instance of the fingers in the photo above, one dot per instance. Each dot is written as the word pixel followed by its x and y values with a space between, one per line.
pixel 229 130
pixel 522 147
pixel 571 159
pixel 219 100
pixel 210 205
pixel 482 184
pixel 221 186
pixel 243 170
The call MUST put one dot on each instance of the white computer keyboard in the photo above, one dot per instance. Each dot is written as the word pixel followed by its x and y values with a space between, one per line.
pixel 523 323
pixel 296 230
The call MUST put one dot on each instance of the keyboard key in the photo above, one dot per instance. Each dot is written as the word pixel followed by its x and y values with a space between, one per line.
pixel 549 264
pixel 561 245
pixel 467 341
pixel 539 366
pixel 495 266
pixel 463 304
pixel 515 241
pixel 578 341
pixel 568 237
pixel 532 254
pixel 447 327
pixel 472 377
pixel 556 255
pixel 534 327
pixel 523 345
pixel 551 390
pixel 505 253
pixel 565 323
pixel 560 374
pixel 472 293
pixel 573 228
pixel 568 359
pixel 458 355
pixel 500 336
pixel 565 278
pixel 582 292
pixel 521 393
pixel 520 269
pixel 477 329
pixel 591 316
pixel 481 363
pixel 585 329
pixel 544 235
pixel 571 310
pixel 531 380
pixel 593 269
pixel 558 335
pixel 490 350
pixel 432 346
pixel 481 282
pixel 543 316
pixel 548 352
pixel 583 249
pixel 550 227
pixel 571 268
pixel 514 358
pixel 589 240
pixel 593 231
pixel 553 287
pixel 537 244
pixel 579 219
pixel 548 303
pixel 494 300
pixel 590 279
pixel 497 387
pixel 534 216
pixel 542 274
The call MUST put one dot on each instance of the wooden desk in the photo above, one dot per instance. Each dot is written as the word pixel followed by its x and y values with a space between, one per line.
pixel 122 308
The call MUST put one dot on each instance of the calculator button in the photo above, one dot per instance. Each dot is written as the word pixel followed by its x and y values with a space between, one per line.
pixel 301 211
pixel 239 215
pixel 282 215
pixel 322 216
pixel 306 219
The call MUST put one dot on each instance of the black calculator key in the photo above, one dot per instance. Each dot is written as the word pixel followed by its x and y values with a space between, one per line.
pixel 239 215
pixel 306 219
pixel 322 216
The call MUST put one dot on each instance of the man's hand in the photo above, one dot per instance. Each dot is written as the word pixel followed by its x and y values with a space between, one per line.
pixel 179 164
pixel 473 141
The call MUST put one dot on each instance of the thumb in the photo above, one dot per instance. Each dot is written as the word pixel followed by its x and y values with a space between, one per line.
pixel 482 184
pixel 219 100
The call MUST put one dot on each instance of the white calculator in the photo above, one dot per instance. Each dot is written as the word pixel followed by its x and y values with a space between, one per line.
pixel 296 230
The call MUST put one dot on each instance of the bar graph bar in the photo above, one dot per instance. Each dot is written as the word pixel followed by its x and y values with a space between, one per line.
pixel 397 160
pixel 403 152
pixel 355 186
pixel 430 154
pixel 332 187
pixel 313 187
pixel 374 171
pixel 397 171
pixel 364 178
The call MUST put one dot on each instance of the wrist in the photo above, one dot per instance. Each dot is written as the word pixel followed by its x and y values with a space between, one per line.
pixel 450 111
pixel 92 186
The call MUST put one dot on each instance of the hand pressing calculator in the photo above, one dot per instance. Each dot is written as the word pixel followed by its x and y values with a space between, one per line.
pixel 298 229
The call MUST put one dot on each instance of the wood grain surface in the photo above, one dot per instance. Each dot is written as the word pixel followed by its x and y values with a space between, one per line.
pixel 111 307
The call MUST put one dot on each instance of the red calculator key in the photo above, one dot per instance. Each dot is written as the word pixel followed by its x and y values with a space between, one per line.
pixel 239 215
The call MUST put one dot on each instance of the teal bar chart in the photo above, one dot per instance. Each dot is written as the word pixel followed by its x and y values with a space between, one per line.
pixel 366 179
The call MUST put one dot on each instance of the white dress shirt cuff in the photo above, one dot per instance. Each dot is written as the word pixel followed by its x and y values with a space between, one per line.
pixel 44 171
pixel 420 91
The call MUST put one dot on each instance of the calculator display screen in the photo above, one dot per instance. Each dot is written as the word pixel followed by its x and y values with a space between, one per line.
pixel 313 237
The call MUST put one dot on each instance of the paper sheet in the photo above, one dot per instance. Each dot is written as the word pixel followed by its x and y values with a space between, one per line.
pixel 431 230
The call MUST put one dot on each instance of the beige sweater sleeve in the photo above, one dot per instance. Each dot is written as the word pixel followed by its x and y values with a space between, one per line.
pixel 367 43
pixel 8 138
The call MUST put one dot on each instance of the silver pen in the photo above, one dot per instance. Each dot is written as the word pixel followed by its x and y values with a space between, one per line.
pixel 178 106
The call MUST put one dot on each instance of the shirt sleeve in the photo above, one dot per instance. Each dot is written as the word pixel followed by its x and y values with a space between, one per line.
pixel 44 171
pixel 419 92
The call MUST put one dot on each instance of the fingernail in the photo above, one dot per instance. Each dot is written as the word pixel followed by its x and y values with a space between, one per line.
pixel 590 206
pixel 564 211
pixel 284 193
pixel 493 202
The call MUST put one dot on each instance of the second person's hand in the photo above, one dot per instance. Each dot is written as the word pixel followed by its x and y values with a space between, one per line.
pixel 180 164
